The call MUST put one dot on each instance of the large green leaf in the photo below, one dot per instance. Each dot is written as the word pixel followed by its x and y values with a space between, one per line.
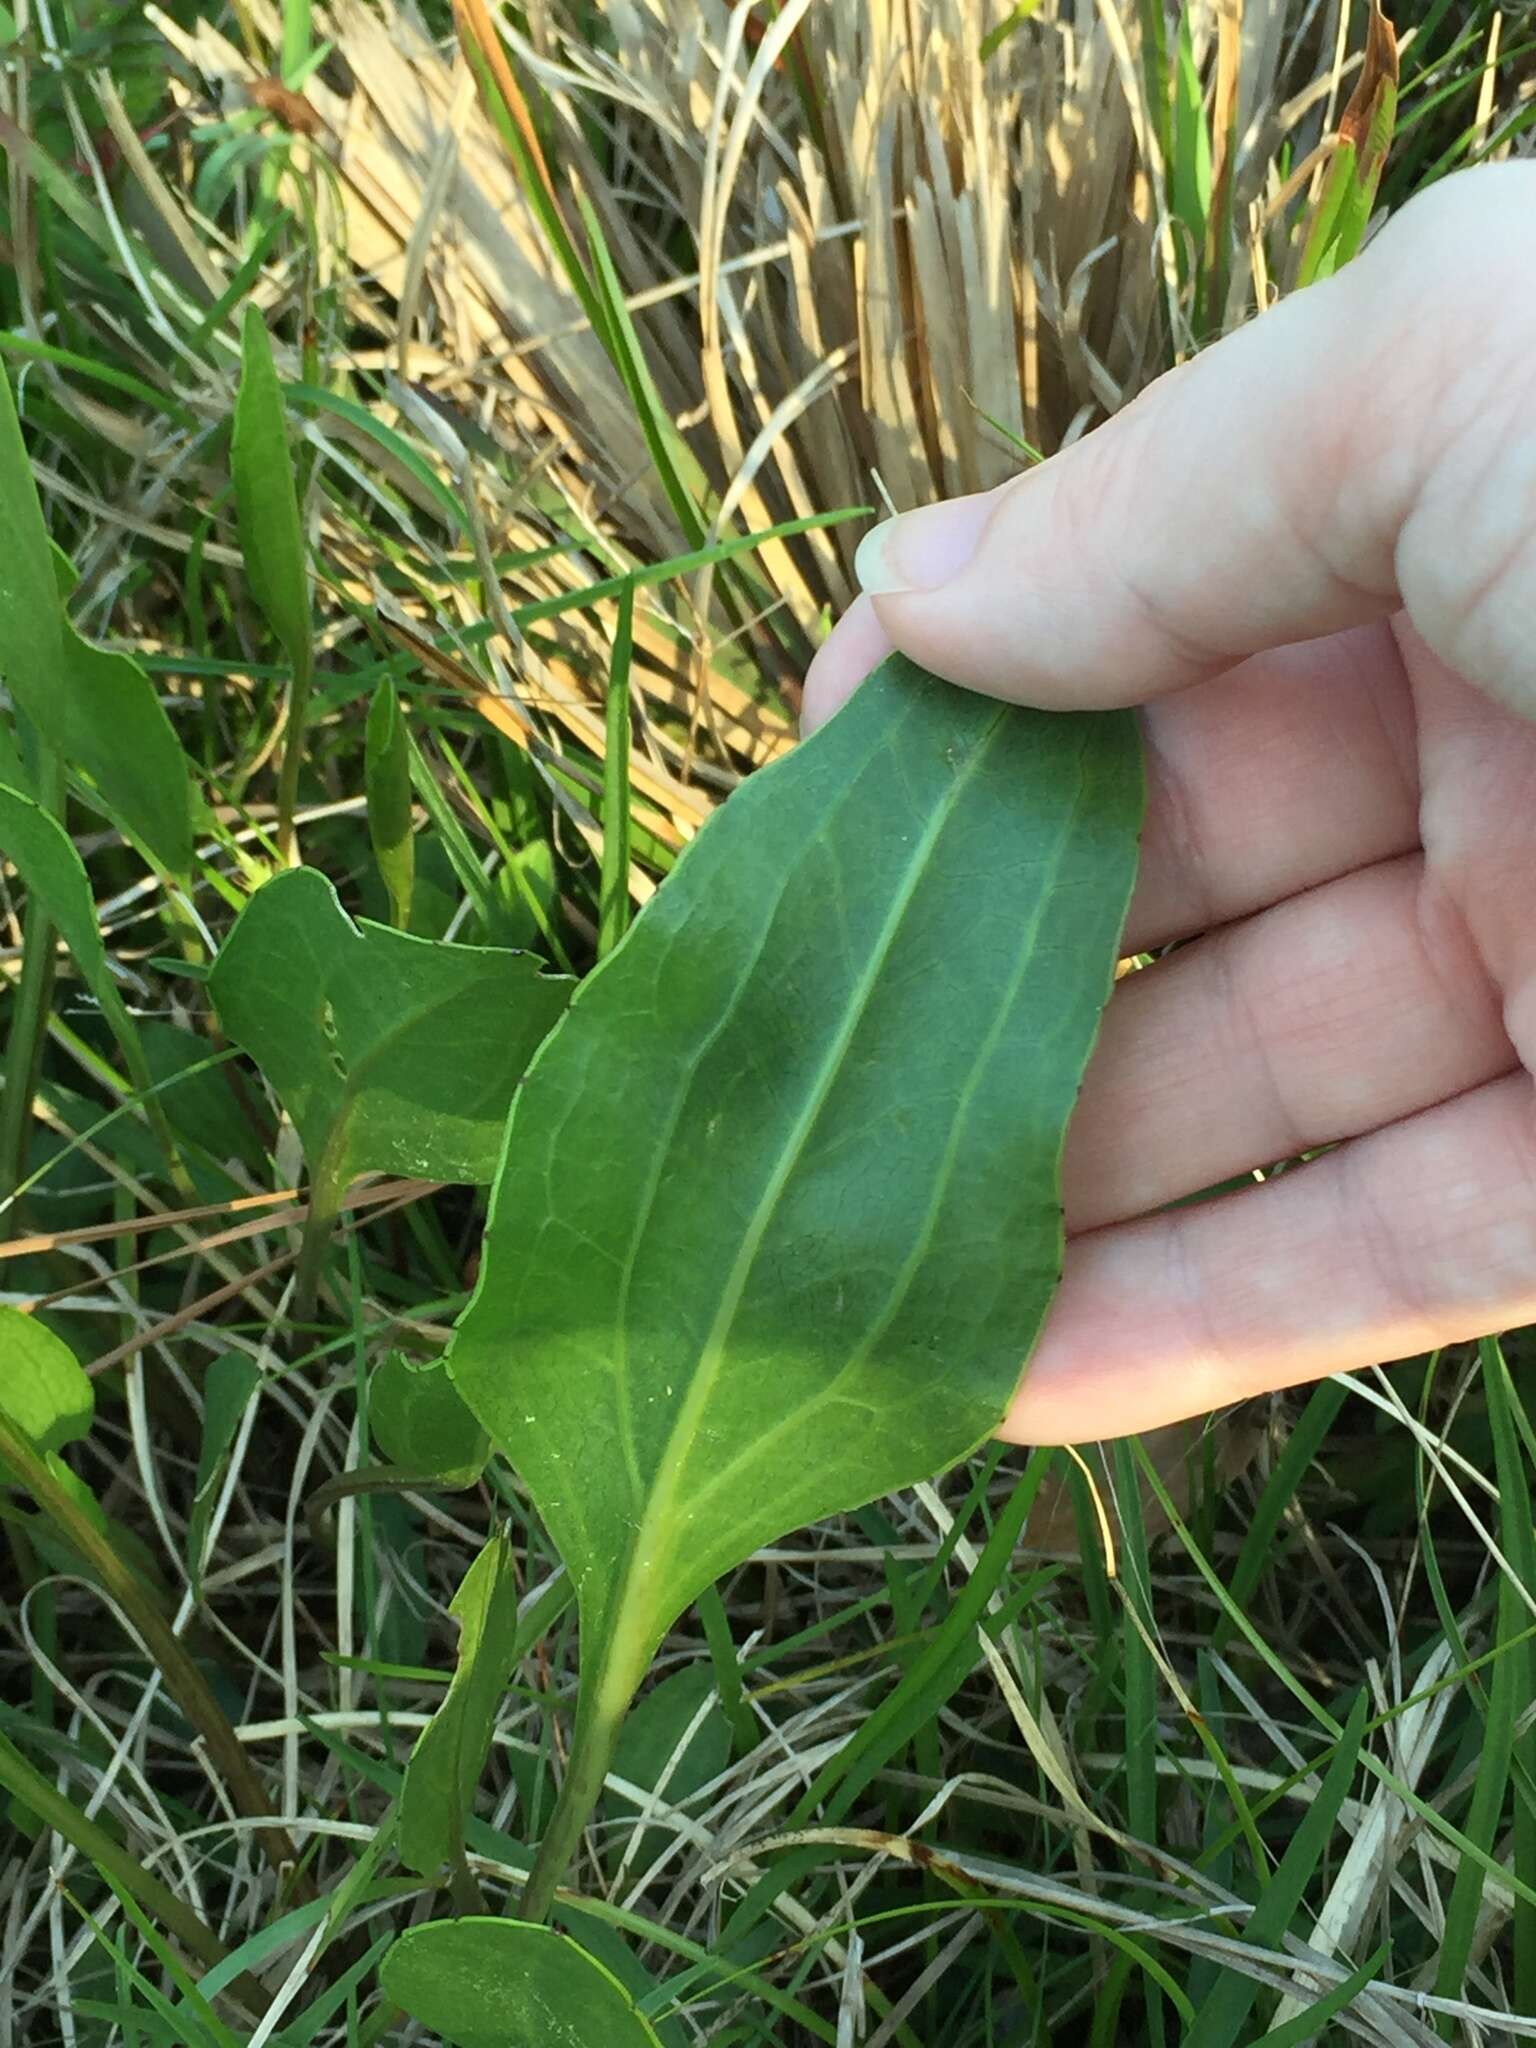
pixel 780 1219
pixel 504 1984
pixel 95 707
pixel 391 1053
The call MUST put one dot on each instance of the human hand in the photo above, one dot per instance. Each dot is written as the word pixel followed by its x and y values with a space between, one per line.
pixel 1310 554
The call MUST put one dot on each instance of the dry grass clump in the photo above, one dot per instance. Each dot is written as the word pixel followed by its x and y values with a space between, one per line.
pixel 868 248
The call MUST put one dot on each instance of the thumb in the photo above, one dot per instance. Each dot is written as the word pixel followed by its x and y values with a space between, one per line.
pixel 1366 446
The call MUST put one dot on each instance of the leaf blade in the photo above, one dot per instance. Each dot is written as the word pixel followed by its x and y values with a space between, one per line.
pixel 410 1048
pixel 271 533
pixel 387 776
pixel 44 1390
pixel 723 1327
pixel 450 1753
pixel 504 1984
pixel 94 706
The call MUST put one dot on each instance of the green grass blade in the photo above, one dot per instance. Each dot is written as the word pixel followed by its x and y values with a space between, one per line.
pixel 1307 2027
pixel 1295 1460
pixel 946 1661
pixel 613 899
pixel 1221 2019
pixel 1518 1541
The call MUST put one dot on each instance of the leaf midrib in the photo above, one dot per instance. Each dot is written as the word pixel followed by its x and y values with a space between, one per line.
pixel 660 1503
pixel 1023 960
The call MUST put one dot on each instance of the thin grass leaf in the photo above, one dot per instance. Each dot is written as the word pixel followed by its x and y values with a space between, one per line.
pixel 946 1662
pixel 1307 2027
pixel 1471 1850
pixel 1139 1676
pixel 1280 1489
pixel 1220 2021
pixel 391 444
pixel 1518 1541
pixel 613 897
pixel 677 567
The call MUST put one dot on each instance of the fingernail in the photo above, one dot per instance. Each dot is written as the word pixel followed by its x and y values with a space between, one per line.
pixel 921 550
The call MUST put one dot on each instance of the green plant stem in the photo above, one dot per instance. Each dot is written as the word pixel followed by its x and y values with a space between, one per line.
pixel 29 1019
pixel 24 1049
pixel 327 1189
pixel 598 1719
pixel 187 1683
pixel 293 760
pixel 41 1796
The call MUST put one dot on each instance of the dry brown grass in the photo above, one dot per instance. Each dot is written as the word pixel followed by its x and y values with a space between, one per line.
pixel 915 247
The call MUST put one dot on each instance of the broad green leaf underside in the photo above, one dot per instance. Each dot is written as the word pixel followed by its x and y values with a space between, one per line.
pixel 503 1984
pixel 780 1220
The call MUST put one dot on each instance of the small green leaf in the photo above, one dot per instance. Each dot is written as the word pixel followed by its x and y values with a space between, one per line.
pixel 271 535
pixel 387 775
pixel 418 1418
pixel 47 860
pixel 43 1389
pixel 446 1763
pixel 780 1220
pixel 95 708
pixel 390 1053
pixel 504 1984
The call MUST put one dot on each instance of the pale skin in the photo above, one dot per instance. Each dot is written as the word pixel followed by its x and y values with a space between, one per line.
pixel 1309 555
